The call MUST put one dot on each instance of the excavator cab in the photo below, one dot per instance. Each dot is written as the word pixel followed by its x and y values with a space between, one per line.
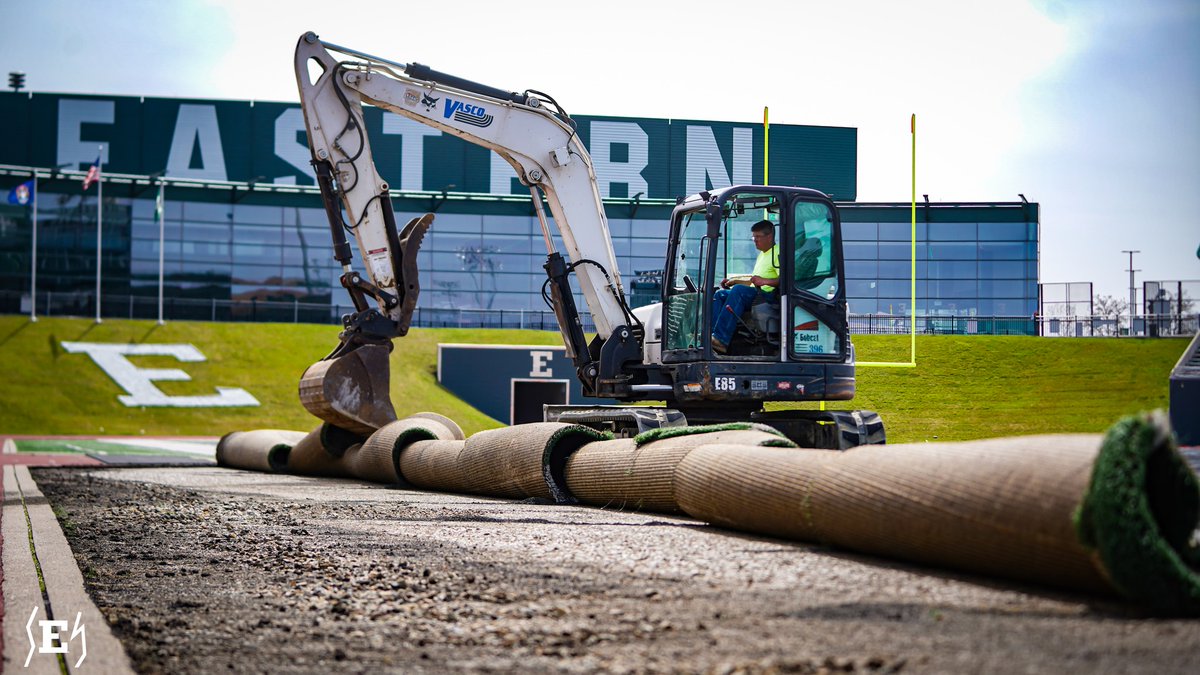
pixel 789 343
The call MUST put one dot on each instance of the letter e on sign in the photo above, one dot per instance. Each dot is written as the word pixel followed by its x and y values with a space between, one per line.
pixel 139 382
pixel 541 364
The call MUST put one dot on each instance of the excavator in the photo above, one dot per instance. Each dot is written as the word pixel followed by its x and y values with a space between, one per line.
pixel 795 346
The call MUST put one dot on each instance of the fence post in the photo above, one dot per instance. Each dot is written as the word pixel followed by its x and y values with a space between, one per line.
pixel 295 309
pixel 214 309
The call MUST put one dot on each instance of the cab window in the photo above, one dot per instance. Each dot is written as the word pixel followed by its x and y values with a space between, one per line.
pixel 738 253
pixel 685 296
pixel 814 266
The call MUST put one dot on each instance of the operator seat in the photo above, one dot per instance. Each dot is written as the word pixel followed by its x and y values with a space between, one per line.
pixel 764 318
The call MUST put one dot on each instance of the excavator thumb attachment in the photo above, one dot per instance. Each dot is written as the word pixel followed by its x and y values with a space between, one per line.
pixel 350 387
pixel 409 240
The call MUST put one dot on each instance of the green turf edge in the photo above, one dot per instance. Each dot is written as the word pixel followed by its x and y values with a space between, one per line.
pixel 662 433
pixel 337 440
pixel 405 439
pixel 277 457
pixel 1138 513
pixel 562 444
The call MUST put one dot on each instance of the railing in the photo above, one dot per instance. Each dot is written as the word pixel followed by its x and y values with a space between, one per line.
pixel 82 304
pixel 52 303
pixel 885 324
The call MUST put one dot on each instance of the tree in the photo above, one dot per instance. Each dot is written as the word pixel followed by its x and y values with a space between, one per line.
pixel 478 261
pixel 1109 309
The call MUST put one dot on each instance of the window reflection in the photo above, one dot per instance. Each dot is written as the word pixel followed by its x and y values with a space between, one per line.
pixel 815 261
pixel 953 232
pixel 860 231
pixel 473 260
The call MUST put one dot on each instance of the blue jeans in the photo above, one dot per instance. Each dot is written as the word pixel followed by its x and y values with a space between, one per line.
pixel 738 299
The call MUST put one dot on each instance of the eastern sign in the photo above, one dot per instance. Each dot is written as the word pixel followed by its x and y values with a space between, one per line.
pixel 242 141
pixel 510 383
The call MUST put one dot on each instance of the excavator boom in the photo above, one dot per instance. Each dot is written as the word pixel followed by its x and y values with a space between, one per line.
pixel 539 143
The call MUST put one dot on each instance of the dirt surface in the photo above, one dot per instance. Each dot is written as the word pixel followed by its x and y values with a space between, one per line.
pixel 209 570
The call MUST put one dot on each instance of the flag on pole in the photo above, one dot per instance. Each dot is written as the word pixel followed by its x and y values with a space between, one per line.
pixel 22 195
pixel 93 174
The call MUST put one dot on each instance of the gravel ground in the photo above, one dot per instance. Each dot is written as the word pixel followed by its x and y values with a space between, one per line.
pixel 203 570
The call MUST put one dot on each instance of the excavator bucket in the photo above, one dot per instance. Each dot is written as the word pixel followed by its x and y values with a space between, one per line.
pixel 350 391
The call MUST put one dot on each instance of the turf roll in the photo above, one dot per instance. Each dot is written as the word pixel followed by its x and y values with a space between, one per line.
pixel 663 433
pixel 320 452
pixel 378 458
pixel 1104 515
pixel 258 450
pixel 982 506
pixel 433 465
pixel 456 432
pixel 523 461
pixel 628 474
pixel 1140 515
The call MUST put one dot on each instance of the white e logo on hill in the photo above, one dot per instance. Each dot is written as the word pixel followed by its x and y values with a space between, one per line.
pixel 139 382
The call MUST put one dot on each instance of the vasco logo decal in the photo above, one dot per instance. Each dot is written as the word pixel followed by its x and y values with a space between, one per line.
pixel 475 115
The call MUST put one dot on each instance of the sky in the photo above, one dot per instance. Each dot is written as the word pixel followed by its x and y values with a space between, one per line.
pixel 1090 108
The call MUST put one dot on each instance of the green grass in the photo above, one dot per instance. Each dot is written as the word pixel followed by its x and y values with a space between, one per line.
pixel 964 386
pixel 980 386
pixel 48 391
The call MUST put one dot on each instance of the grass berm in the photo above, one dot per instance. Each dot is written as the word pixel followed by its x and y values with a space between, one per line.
pixel 964 386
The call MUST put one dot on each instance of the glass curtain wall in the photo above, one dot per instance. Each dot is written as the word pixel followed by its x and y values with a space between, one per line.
pixel 963 268
pixel 482 260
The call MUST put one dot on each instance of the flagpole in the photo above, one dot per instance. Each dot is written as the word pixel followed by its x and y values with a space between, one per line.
pixel 99 225
pixel 33 267
pixel 159 212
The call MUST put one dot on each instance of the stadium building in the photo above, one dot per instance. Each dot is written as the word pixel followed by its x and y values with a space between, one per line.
pixel 245 237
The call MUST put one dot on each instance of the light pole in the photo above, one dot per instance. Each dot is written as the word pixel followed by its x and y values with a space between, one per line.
pixel 1132 290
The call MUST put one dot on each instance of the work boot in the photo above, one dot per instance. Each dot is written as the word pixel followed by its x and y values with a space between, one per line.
pixel 718 346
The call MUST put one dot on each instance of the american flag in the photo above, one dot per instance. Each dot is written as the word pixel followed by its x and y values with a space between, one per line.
pixel 93 175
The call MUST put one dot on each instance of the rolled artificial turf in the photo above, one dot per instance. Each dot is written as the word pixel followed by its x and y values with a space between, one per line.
pixel 663 433
pixel 1140 515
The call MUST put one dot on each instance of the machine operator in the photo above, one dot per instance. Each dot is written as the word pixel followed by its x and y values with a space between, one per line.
pixel 739 292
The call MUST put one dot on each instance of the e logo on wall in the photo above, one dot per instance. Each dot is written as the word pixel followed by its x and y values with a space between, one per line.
pixel 139 382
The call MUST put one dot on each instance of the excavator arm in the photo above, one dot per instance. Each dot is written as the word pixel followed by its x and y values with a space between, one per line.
pixel 542 147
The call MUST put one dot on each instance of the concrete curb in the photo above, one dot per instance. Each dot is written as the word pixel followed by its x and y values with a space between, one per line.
pixel 42 581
